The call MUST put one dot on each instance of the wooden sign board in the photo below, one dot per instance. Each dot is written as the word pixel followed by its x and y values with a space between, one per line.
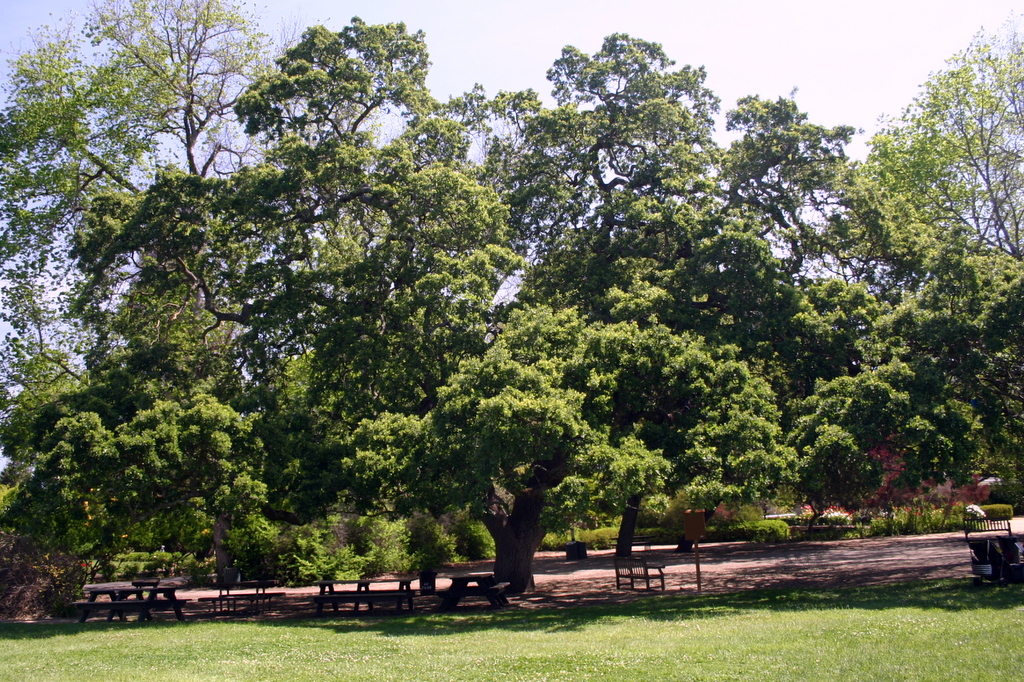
pixel 693 524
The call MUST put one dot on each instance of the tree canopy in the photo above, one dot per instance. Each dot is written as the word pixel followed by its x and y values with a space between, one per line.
pixel 307 286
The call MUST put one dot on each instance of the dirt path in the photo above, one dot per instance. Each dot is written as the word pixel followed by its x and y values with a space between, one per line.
pixel 725 567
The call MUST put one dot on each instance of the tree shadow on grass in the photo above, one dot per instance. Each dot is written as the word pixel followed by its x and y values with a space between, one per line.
pixel 947 595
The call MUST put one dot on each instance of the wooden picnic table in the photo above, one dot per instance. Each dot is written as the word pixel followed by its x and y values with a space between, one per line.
pixel 252 591
pixel 643 541
pixel 363 593
pixel 473 585
pixel 141 596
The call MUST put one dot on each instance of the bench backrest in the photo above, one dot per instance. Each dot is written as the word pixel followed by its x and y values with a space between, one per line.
pixel 982 525
pixel 630 567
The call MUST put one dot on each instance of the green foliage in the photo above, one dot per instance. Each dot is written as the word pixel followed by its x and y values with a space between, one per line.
pixel 305 554
pixel 381 544
pixel 472 540
pixel 597 538
pixel 430 544
pixel 134 565
pixel 952 161
pixel 891 425
pixel 252 544
pixel 113 479
pixel 746 513
pixel 321 300
pixel 1010 493
pixel 770 530
pixel 955 152
pixel 605 538
pixel 918 519
pixel 997 511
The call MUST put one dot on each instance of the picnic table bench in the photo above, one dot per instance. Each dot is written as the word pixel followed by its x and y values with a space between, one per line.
pixel 141 596
pixel 636 569
pixel 986 526
pixel 643 541
pixel 252 591
pixel 473 585
pixel 363 594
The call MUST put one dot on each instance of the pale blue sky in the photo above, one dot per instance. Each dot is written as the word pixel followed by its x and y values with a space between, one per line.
pixel 851 61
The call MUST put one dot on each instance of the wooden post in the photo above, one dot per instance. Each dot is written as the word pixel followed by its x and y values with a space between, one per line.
pixel 693 530
pixel 696 561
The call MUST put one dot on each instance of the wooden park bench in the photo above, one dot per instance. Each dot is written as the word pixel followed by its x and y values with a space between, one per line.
pixel 642 541
pixel 986 526
pixel 635 569
pixel 362 595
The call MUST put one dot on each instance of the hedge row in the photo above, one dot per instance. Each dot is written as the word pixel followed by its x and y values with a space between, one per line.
pixel 997 511
pixel 605 538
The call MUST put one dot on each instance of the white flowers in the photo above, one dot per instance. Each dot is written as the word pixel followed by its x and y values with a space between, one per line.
pixel 833 516
pixel 973 511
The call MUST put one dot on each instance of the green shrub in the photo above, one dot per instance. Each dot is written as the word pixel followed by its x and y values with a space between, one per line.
pixel 748 513
pixel 430 545
pixel 672 519
pixel 660 536
pixel 997 511
pixel 599 538
pixel 1007 492
pixel 918 519
pixel 605 538
pixel 306 554
pixel 472 540
pixel 553 542
pixel 161 563
pixel 771 530
pixel 198 570
pixel 252 544
pixel 132 565
pixel 382 543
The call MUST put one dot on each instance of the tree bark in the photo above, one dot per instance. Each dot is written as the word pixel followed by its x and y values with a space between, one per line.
pixel 517 536
pixel 220 533
pixel 624 545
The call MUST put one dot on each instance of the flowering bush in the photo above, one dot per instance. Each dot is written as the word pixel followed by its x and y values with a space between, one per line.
pixel 834 516
pixel 913 520
pixel 973 511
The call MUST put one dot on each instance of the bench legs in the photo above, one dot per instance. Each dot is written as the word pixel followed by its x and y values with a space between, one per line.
pixel 370 602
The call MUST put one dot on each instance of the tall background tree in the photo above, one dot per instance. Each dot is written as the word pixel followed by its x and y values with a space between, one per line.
pixel 307 287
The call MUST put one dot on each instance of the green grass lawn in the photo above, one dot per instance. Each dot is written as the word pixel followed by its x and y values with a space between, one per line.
pixel 944 630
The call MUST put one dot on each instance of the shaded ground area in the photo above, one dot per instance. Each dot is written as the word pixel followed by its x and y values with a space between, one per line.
pixel 725 567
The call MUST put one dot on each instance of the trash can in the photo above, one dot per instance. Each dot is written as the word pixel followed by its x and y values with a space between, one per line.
pixel 575 551
pixel 232 575
pixel 1012 568
pixel 428 582
pixel 986 560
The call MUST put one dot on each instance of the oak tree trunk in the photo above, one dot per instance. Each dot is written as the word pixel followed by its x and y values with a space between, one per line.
pixel 517 535
pixel 221 526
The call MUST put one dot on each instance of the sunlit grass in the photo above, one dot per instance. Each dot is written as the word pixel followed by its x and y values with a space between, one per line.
pixel 944 630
